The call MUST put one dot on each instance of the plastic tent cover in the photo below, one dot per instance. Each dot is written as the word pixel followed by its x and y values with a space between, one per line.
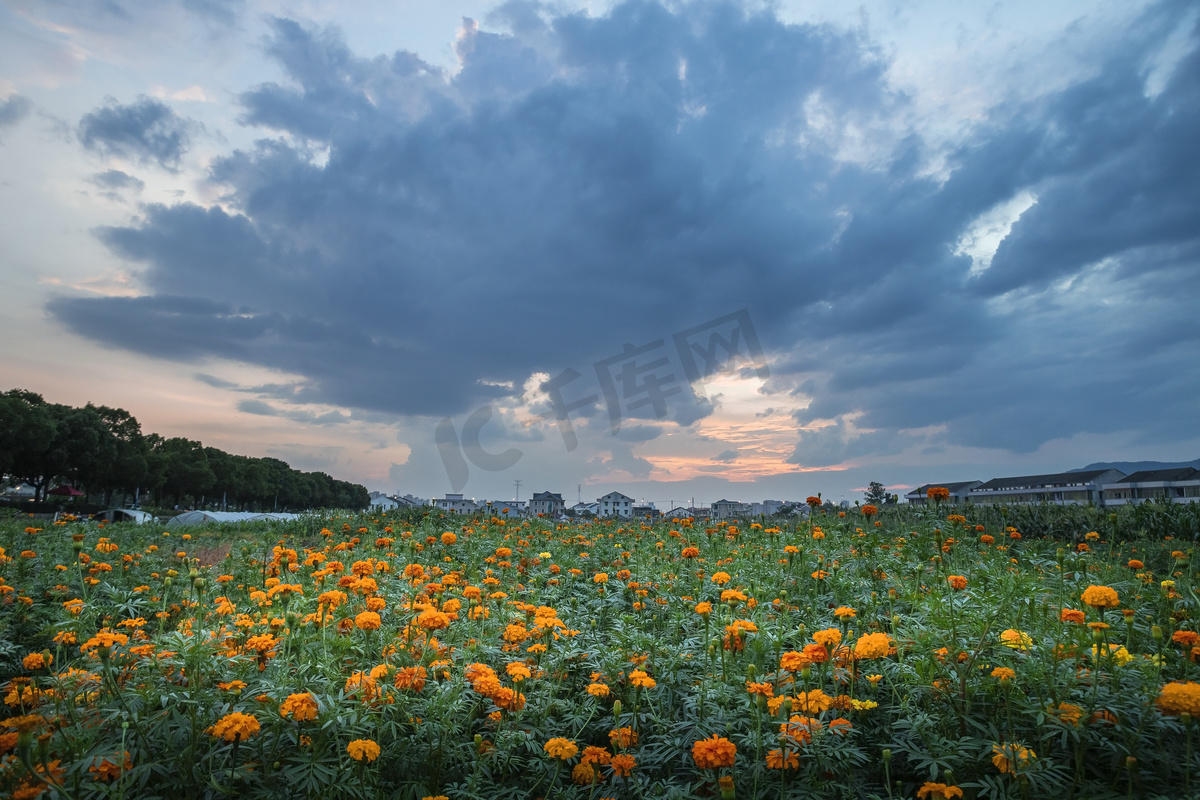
pixel 211 517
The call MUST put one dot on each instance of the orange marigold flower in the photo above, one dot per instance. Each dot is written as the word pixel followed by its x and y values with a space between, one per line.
pixel 1180 698
pixel 704 608
pixel 597 690
pixel 691 552
pixel 873 645
pixel 432 620
pixel 623 764
pixel 1012 756
pixel 721 578
pixel 1072 615
pixel 302 707
pixel 36 661
pixel 776 760
pixel 844 613
pixel 411 678
pixel 1004 674
pixel 987 539
pixel 641 680
pixel 449 538
pixel 830 638
pixel 108 770
pixel 235 726
pixel 559 747
pixel 595 755
pixel 363 750
pixel 937 493
pixel 869 510
pixel 1101 597
pixel 518 671
pixel 812 702
pixel 1186 638
pixel 793 661
pixel 938 791
pixel 367 621
pixel 623 737
pixel 1135 564
pixel 714 752
pixel 957 582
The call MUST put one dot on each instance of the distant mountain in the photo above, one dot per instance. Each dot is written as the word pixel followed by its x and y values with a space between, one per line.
pixel 1130 467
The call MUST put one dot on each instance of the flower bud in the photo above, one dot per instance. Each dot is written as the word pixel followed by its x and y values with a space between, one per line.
pixel 1156 633
pixel 617 709
pixel 887 754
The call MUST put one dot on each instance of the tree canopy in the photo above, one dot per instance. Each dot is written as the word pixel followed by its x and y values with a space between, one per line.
pixel 102 450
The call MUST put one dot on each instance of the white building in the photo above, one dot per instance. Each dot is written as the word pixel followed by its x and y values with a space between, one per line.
pixel 547 504
pixel 615 504
pixel 454 504
pixel 381 502
pixel 727 509
pixel 1179 485
pixel 1062 488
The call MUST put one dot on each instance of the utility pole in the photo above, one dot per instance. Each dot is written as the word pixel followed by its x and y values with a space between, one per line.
pixel 518 485
pixel 579 493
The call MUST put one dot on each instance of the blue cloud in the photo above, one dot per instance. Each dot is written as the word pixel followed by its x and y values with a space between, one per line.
pixel 412 240
pixel 146 131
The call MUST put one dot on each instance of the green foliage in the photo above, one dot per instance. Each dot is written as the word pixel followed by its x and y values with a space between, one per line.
pixel 208 633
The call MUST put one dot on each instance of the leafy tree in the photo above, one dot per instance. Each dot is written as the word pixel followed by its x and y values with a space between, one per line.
pixel 876 494
pixel 27 433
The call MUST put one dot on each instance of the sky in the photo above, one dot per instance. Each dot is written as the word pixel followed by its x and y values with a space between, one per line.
pixel 682 250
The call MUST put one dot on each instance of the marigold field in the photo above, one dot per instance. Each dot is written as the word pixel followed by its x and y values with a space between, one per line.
pixel 915 652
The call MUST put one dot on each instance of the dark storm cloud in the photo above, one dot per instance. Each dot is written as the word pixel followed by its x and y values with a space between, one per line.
pixel 146 131
pixel 14 109
pixel 418 239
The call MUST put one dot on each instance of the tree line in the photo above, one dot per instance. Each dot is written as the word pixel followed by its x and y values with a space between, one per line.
pixel 102 450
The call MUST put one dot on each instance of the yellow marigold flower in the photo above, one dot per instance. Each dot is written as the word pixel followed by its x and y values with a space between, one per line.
pixel 938 791
pixel 1012 756
pixel 363 749
pixel 1101 597
pixel 302 707
pixel 714 752
pixel 863 705
pixel 518 671
pixel 873 645
pixel 1180 698
pixel 721 578
pixel 1067 713
pixel 844 613
pixel 1017 640
pixel 597 690
pixel 235 726
pixel 1004 674
pixel 600 577
pixel 559 747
